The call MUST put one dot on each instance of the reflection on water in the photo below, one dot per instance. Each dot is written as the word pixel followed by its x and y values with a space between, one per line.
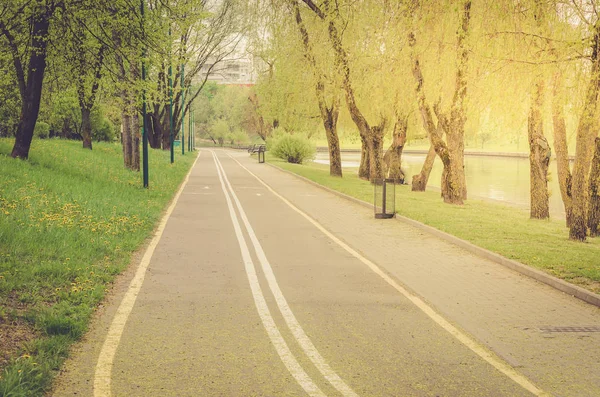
pixel 498 178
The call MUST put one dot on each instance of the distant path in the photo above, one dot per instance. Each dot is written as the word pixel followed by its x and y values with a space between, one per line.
pixel 264 285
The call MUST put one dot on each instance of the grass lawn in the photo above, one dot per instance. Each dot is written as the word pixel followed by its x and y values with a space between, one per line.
pixel 503 229
pixel 69 221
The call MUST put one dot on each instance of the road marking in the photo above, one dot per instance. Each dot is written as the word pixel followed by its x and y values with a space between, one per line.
pixel 102 375
pixel 277 340
pixel 466 340
pixel 305 343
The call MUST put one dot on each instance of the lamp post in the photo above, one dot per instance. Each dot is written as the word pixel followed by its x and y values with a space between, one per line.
pixel 190 131
pixel 144 132
pixel 193 131
pixel 182 110
pixel 171 136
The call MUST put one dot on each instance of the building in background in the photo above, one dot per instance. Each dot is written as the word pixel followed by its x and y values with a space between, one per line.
pixel 236 68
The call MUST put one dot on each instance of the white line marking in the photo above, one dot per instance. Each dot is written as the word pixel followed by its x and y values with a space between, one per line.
pixel 102 375
pixel 261 304
pixel 466 340
pixel 305 343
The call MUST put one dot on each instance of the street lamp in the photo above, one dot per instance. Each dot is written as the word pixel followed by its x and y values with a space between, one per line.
pixel 171 137
pixel 144 131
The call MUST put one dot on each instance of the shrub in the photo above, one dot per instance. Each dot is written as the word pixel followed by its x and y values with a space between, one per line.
pixel 104 130
pixel 291 148
pixel 41 130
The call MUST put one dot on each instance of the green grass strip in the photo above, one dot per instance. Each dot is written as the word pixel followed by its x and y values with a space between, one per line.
pixel 500 228
pixel 70 220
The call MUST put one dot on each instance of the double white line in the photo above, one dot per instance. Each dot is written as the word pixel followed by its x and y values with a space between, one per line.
pixel 277 340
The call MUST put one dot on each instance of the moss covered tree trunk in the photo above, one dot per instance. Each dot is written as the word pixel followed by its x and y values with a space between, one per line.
pixel 419 181
pixel 594 204
pixel 539 157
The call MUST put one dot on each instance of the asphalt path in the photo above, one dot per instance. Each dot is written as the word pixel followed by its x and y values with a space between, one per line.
pixel 259 284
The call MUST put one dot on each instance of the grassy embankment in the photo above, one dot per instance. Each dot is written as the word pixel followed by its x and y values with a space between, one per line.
pixel 69 221
pixel 503 229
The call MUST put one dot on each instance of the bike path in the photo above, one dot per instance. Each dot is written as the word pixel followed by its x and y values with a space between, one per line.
pixel 195 329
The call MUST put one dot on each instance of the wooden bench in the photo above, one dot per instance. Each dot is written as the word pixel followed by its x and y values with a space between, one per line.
pixel 257 149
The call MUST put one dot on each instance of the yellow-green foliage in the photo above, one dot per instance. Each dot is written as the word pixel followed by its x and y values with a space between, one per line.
pixel 509 49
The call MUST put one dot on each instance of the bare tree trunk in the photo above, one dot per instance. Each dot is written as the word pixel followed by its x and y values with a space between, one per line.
pixel 562 152
pixel 86 127
pixel 166 134
pixel 419 181
pixel 539 157
pixel 393 157
pixel 453 177
pixel 30 88
pixel 594 203
pixel 155 130
pixel 126 138
pixel 364 169
pixel 584 151
pixel 136 136
pixel 333 141
pixel 376 151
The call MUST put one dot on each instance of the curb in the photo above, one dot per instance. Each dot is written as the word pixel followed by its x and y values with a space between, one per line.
pixel 538 275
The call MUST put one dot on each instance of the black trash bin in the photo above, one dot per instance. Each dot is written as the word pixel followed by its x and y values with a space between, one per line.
pixel 384 198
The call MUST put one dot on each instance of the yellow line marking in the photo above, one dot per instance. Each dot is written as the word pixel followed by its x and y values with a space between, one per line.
pixel 466 340
pixel 104 365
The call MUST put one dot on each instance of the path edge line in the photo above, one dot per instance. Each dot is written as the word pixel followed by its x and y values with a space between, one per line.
pixel 103 369
pixel 538 275
pixel 463 337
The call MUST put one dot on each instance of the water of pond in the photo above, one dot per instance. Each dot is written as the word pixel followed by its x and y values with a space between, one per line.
pixel 504 179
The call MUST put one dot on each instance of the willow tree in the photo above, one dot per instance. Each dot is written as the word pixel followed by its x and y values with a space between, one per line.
pixel 286 98
pixel 450 122
pixel 371 135
pixel 329 109
pixel 574 66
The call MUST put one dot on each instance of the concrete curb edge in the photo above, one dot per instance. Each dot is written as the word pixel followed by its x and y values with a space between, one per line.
pixel 561 285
